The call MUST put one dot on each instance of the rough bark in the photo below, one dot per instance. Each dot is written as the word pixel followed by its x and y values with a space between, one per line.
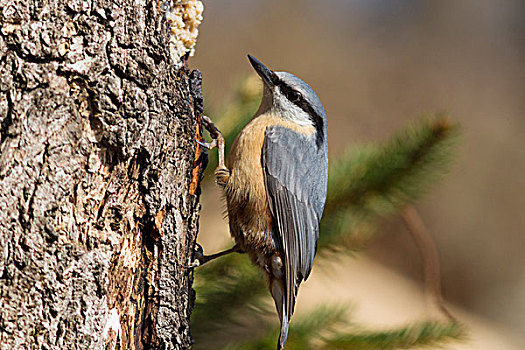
pixel 97 158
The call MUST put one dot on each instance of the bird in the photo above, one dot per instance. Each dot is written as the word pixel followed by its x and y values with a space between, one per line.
pixel 275 184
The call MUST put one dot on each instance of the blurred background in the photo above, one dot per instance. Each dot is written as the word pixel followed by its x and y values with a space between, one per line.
pixel 377 65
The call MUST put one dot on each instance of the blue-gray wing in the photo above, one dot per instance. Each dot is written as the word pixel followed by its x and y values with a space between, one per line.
pixel 296 173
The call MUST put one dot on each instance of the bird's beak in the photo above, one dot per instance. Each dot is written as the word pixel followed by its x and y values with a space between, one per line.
pixel 266 74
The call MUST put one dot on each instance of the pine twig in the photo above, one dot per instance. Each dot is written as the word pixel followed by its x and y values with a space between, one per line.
pixel 413 336
pixel 430 257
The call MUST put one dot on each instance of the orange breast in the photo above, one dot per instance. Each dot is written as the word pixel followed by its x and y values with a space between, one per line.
pixel 248 211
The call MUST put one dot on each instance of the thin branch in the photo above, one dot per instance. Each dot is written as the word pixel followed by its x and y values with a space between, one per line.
pixel 429 254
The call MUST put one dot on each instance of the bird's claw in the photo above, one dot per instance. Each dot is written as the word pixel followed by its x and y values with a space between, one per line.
pixel 194 264
pixel 218 140
pixel 201 259
pixel 198 254
pixel 207 145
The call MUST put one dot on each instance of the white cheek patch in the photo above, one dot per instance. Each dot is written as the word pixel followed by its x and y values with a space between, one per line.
pixel 288 110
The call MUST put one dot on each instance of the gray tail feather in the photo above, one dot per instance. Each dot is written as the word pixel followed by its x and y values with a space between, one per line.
pixel 277 290
pixel 284 333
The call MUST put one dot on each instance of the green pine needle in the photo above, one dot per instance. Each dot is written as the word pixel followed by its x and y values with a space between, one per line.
pixel 414 336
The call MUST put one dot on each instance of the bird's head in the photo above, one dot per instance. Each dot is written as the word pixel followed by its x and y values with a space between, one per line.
pixel 290 97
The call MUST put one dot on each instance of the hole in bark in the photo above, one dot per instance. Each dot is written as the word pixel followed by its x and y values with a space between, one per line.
pixel 25 247
pixel 51 234
pixel 8 120
pixel 19 264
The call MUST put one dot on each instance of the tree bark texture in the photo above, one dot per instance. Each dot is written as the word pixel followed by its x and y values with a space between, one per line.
pixel 98 177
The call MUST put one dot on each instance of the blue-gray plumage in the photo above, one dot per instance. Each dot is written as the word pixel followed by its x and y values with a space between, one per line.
pixel 275 185
pixel 296 176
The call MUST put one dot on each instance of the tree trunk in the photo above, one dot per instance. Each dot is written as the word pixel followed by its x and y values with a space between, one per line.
pixel 98 175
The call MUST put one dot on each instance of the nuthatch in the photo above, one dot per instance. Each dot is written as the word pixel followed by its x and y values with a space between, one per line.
pixel 275 185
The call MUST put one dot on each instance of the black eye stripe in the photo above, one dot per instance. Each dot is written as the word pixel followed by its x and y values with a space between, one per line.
pixel 301 102
pixel 289 93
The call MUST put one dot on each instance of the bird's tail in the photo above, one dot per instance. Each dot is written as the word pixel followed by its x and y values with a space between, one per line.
pixel 284 333
pixel 277 290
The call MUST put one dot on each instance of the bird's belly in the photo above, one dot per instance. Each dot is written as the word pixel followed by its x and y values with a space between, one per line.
pixel 252 230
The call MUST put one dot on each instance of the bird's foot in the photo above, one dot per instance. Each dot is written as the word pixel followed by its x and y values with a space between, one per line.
pixel 201 259
pixel 207 145
pixel 218 140
pixel 198 254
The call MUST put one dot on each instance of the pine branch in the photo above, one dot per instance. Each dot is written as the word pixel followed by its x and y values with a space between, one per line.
pixel 429 255
pixel 371 181
pixel 317 330
pixel 304 334
pixel 387 176
pixel 415 336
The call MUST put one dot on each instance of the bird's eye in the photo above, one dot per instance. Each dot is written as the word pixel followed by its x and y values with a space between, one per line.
pixel 294 96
